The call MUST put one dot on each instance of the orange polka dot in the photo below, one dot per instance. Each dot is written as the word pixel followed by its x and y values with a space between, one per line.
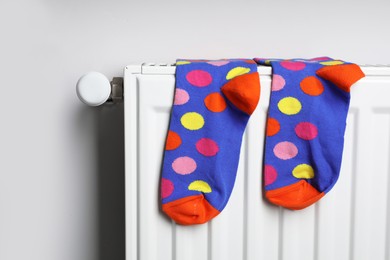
pixel 273 126
pixel 250 61
pixel 215 102
pixel 312 86
pixel 173 141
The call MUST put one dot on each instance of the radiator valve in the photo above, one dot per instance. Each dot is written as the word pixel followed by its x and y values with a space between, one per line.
pixel 94 89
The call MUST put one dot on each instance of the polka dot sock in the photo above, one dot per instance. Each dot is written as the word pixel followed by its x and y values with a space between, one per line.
pixel 305 128
pixel 212 105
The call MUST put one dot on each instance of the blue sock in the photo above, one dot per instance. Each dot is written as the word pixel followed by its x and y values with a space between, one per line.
pixel 305 128
pixel 212 105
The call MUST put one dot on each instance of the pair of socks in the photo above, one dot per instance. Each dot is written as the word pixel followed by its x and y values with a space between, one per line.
pixel 304 134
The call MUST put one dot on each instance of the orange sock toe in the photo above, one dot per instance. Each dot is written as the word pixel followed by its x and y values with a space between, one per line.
pixel 190 210
pixel 295 196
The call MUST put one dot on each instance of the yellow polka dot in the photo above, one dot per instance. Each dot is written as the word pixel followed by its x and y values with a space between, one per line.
pixel 182 62
pixel 331 62
pixel 237 72
pixel 201 186
pixel 289 106
pixel 303 171
pixel 192 121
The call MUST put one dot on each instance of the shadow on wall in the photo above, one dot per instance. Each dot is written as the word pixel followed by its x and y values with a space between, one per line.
pixel 111 182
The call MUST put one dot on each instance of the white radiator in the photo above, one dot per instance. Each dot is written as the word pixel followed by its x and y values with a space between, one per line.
pixel 350 223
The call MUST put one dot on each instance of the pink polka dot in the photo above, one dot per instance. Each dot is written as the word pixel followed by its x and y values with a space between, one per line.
pixel 293 65
pixel 184 165
pixel 320 59
pixel 218 62
pixel 306 130
pixel 278 82
pixel 270 174
pixel 181 97
pixel 199 78
pixel 207 147
pixel 285 150
pixel 166 188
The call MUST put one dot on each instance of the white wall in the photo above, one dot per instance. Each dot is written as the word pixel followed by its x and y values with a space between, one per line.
pixel 61 175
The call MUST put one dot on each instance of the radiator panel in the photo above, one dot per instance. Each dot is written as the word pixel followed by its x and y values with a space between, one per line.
pixel 350 222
